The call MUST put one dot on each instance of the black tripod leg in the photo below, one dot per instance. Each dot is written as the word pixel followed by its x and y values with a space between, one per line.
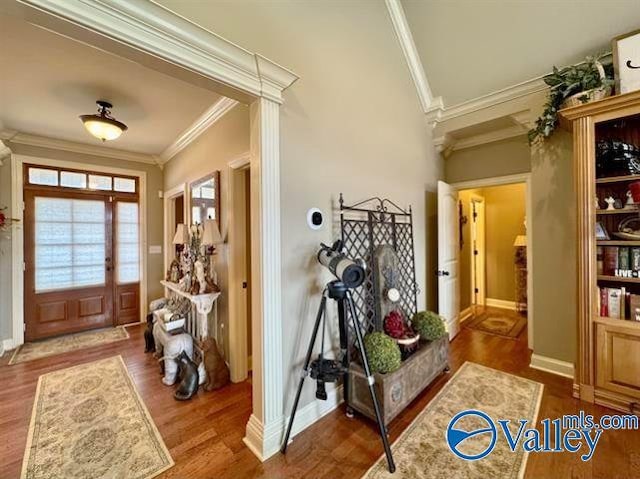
pixel 370 380
pixel 305 370
pixel 343 327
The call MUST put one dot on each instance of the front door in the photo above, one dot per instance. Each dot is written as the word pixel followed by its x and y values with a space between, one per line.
pixel 68 270
pixel 448 257
pixel 82 251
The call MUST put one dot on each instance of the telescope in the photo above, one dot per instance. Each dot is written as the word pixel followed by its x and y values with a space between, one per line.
pixel 350 272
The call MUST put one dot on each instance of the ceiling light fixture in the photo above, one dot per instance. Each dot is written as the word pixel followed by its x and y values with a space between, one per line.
pixel 103 126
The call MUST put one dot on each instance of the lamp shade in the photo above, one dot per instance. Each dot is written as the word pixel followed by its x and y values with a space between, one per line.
pixel 182 234
pixel 103 126
pixel 211 233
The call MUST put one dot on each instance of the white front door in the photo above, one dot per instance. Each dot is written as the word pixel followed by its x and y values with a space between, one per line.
pixel 448 257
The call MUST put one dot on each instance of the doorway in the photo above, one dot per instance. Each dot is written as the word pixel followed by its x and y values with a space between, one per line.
pixel 486 236
pixel 240 287
pixel 82 251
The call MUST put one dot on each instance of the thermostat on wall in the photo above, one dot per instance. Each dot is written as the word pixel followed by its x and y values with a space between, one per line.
pixel 315 218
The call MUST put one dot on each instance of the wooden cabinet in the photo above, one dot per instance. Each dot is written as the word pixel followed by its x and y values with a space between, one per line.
pixel 605 136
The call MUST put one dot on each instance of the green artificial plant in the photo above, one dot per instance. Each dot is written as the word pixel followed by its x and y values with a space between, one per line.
pixel 382 352
pixel 567 82
pixel 428 325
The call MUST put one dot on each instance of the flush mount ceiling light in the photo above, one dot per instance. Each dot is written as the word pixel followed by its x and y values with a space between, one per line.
pixel 103 126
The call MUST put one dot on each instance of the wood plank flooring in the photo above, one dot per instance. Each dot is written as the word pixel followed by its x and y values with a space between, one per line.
pixel 204 435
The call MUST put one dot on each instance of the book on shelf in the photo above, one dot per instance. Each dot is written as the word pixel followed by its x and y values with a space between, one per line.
pixel 634 307
pixel 610 260
pixel 634 258
pixel 614 302
pixel 618 303
pixel 623 258
pixel 600 259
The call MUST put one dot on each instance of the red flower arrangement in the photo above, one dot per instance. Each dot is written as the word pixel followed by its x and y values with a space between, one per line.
pixel 395 325
pixel 5 223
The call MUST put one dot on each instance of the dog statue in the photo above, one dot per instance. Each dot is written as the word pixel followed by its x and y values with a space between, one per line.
pixel 214 365
pixel 149 341
pixel 189 378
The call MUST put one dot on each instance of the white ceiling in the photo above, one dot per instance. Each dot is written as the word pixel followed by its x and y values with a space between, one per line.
pixel 48 80
pixel 471 48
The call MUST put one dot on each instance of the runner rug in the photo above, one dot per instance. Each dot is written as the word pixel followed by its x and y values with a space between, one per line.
pixel 69 342
pixel 422 452
pixel 89 421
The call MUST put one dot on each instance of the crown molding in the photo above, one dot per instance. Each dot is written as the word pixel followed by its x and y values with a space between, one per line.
pixel 5 152
pixel 439 113
pixel 164 34
pixel 82 148
pixel 408 46
pixel 204 121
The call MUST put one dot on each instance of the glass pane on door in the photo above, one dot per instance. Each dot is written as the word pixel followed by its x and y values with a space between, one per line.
pixel 127 243
pixel 70 243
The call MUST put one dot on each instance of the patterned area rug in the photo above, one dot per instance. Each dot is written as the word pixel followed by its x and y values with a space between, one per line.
pixel 422 452
pixel 507 326
pixel 69 342
pixel 89 421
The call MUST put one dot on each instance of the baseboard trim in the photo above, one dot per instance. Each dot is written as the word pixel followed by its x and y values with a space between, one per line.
pixel 265 442
pixel 465 314
pixel 6 345
pixel 551 365
pixel 500 303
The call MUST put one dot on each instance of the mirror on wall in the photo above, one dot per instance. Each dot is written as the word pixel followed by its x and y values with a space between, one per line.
pixel 205 199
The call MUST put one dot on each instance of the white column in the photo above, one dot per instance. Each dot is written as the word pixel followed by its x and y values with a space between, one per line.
pixel 264 429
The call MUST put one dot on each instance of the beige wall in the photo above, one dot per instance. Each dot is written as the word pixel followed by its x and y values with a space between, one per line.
pixel 155 266
pixel 224 141
pixel 500 158
pixel 504 220
pixel 351 124
pixel 553 230
pixel 5 255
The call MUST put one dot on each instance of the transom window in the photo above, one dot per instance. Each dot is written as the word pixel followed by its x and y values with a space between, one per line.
pixel 80 180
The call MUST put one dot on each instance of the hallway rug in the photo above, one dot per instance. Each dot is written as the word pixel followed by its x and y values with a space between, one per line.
pixel 507 325
pixel 89 421
pixel 422 452
pixel 66 343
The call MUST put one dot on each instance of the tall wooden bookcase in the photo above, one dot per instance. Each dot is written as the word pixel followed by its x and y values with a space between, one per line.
pixel 608 360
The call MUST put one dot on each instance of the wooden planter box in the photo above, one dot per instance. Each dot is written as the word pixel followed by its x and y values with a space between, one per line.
pixel 397 389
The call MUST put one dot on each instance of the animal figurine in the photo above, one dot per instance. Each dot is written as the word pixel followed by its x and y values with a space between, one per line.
pixel 149 342
pixel 189 378
pixel 214 365
pixel 175 344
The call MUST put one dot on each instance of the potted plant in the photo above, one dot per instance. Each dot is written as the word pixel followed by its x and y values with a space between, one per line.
pixel 571 86
pixel 428 325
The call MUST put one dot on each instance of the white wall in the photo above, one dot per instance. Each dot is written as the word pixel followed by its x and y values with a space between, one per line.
pixel 5 254
pixel 351 124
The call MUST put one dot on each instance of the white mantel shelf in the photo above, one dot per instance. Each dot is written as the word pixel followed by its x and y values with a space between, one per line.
pixel 203 303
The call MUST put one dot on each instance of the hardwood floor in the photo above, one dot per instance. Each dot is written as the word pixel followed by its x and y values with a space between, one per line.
pixel 204 435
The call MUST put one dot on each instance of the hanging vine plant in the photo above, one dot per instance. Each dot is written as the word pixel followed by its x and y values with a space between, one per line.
pixel 571 86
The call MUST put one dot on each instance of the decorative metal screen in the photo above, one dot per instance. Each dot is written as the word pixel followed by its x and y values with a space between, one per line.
pixel 365 226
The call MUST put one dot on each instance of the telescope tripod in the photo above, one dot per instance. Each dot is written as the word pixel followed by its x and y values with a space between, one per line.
pixel 329 370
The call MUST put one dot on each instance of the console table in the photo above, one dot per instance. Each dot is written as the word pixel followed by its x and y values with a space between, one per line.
pixel 203 303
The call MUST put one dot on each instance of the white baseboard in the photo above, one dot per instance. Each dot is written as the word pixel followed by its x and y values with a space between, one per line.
pixel 465 314
pixel 551 365
pixel 6 345
pixel 500 303
pixel 265 443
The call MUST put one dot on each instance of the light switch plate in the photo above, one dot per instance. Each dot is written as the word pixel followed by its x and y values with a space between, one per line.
pixel 155 249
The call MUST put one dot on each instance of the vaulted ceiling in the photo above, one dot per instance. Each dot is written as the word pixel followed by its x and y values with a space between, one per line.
pixel 471 48
pixel 48 80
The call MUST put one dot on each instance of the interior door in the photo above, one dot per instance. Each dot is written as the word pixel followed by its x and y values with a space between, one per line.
pixel 478 259
pixel 68 263
pixel 448 257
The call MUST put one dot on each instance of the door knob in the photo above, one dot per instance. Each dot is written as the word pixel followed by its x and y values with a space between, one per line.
pixel 244 285
pixel 442 273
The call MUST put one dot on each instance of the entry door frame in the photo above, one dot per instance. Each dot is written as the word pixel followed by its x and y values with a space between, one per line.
pixel 509 180
pixel 17 238
pixel 478 274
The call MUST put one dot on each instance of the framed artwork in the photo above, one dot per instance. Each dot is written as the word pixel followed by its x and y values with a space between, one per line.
pixel 601 232
pixel 626 61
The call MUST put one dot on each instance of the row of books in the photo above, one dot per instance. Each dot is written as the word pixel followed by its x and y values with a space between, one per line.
pixel 618 303
pixel 618 261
